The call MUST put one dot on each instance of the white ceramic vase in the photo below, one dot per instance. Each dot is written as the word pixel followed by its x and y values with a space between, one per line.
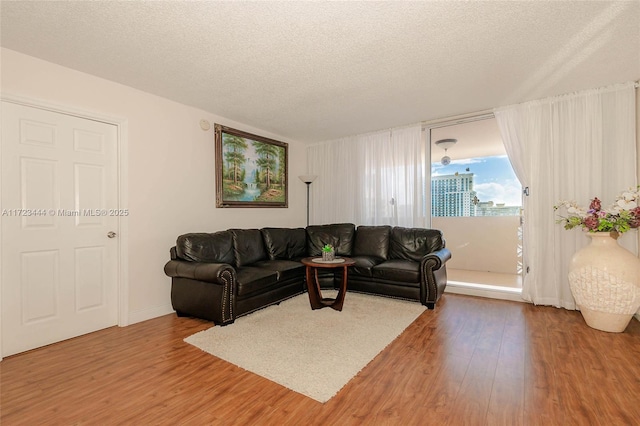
pixel 605 282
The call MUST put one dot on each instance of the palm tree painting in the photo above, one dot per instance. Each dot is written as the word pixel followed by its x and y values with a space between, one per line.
pixel 251 171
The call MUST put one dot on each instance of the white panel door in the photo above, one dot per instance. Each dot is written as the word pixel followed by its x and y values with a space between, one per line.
pixel 59 206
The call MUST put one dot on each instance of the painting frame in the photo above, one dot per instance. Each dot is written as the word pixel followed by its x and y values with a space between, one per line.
pixel 251 170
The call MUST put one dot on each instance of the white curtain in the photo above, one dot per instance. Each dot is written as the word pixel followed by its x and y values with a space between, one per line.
pixel 571 147
pixel 373 179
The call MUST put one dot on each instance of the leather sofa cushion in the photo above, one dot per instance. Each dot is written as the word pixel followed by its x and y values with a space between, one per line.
pixel 364 265
pixel 372 241
pixel 406 271
pixel 284 269
pixel 285 243
pixel 414 243
pixel 248 246
pixel 254 280
pixel 202 247
pixel 339 235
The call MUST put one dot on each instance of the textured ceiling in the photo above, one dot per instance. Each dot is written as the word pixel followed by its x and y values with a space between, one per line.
pixel 474 139
pixel 313 71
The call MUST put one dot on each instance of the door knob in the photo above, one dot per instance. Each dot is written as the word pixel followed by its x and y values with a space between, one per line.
pixel 111 234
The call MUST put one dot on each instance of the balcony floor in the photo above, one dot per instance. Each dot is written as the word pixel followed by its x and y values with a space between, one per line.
pixel 493 279
pixel 485 284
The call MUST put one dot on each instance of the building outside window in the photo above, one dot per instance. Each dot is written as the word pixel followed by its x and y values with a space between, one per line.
pixel 485 186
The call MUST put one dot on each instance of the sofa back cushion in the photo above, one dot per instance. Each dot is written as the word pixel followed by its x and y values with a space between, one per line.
pixel 372 241
pixel 248 247
pixel 210 248
pixel 414 243
pixel 285 243
pixel 339 235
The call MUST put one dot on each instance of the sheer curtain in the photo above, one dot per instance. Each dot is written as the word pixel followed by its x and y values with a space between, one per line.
pixel 572 147
pixel 371 179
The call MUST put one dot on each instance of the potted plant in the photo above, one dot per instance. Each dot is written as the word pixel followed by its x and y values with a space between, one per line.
pixel 328 253
pixel 604 277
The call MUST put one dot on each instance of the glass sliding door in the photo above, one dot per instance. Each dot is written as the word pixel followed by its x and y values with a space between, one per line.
pixel 476 200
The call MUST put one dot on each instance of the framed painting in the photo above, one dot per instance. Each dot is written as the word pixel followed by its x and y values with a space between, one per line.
pixel 251 171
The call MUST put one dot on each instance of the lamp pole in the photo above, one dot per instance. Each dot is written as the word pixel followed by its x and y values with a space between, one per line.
pixel 307 179
pixel 308 186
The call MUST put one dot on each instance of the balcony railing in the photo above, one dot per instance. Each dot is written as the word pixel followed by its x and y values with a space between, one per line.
pixel 488 244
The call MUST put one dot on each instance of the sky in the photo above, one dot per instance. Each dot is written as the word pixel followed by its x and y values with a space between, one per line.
pixel 494 179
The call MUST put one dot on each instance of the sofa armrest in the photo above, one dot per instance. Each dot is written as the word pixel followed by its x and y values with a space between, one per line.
pixel 203 290
pixel 210 272
pixel 433 276
pixel 434 261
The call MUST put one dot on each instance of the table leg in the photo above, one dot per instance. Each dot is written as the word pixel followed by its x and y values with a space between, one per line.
pixel 315 295
pixel 313 287
pixel 337 305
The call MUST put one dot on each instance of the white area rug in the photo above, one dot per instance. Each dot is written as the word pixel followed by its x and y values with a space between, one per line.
pixel 314 353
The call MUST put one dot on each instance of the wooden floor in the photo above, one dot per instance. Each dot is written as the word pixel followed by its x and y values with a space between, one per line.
pixel 471 361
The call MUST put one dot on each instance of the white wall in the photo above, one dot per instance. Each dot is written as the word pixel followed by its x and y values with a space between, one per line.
pixel 171 186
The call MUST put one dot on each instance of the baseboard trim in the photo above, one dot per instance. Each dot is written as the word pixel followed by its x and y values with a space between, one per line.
pixel 452 287
pixel 481 290
pixel 149 313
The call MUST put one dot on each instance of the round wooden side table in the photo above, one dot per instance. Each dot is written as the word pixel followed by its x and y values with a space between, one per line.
pixel 313 284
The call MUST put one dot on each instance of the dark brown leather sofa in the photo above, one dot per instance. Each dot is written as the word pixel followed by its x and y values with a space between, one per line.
pixel 224 275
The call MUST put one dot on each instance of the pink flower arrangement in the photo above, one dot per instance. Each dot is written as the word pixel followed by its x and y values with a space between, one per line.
pixel 623 215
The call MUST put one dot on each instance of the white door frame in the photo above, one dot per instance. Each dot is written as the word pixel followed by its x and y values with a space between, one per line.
pixel 123 195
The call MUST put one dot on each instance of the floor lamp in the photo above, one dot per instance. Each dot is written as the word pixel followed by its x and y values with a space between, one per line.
pixel 307 179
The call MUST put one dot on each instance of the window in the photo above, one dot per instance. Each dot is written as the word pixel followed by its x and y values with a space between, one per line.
pixel 481 186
